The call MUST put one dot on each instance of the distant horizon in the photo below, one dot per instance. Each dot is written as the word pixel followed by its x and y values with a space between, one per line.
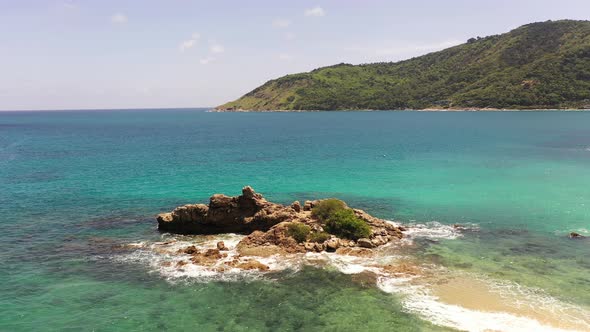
pixel 110 109
pixel 74 55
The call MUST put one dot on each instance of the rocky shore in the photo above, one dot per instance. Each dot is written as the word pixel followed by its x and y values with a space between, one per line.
pixel 273 229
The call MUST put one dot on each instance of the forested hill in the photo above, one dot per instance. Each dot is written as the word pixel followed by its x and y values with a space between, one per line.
pixel 538 65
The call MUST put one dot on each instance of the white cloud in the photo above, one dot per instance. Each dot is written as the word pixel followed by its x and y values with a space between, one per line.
pixel 315 11
pixel 216 48
pixel 281 23
pixel 119 18
pixel 206 61
pixel 285 57
pixel 185 45
pixel 289 36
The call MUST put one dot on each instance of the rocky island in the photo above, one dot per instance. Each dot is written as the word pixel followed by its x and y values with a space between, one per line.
pixel 327 225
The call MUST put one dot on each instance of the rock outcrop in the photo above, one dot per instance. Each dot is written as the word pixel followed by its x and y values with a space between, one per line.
pixel 240 214
pixel 268 227
pixel 576 236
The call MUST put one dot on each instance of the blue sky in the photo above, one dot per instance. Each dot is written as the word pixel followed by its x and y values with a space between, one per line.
pixel 71 54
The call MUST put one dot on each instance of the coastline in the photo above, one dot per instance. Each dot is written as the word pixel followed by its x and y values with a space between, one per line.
pixel 215 110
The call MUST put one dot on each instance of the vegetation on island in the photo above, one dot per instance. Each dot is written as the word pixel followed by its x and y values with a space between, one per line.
pixel 340 220
pixel 298 231
pixel 540 65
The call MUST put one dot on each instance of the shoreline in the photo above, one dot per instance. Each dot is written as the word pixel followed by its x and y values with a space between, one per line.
pixel 214 110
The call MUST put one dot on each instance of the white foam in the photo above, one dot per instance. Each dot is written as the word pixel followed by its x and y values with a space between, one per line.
pixel 162 258
pixel 436 230
pixel 419 301
pixel 461 318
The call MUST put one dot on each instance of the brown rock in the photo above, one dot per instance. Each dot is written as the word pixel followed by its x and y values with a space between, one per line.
pixel 239 214
pixel 574 235
pixel 213 253
pixel 347 243
pixel 309 246
pixel 365 243
pixel 379 240
pixel 183 219
pixel 319 247
pixel 252 265
pixel 266 224
pixel 190 250
pixel 332 244
pixel 358 252
pixel 276 236
pixel 221 246
pixel 296 206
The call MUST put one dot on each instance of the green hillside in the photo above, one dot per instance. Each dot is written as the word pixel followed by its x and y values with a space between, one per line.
pixel 539 65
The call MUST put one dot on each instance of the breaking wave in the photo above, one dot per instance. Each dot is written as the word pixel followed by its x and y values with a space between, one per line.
pixel 435 230
pixel 518 308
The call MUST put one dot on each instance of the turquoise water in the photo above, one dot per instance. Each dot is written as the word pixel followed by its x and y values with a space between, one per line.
pixel 76 185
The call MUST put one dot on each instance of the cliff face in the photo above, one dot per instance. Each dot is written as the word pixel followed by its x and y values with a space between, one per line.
pixel 539 65
pixel 240 214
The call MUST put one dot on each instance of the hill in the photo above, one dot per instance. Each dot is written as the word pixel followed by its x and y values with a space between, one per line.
pixel 540 65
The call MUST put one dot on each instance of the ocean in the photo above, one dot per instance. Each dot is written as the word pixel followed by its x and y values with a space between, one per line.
pixel 80 190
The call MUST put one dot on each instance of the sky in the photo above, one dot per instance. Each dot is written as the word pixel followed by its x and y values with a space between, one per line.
pixel 82 54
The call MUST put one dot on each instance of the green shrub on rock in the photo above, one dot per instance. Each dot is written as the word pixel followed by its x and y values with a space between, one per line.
pixel 345 223
pixel 319 237
pixel 324 209
pixel 340 220
pixel 298 231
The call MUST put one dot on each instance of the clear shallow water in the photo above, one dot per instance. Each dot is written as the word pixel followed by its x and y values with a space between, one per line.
pixel 77 184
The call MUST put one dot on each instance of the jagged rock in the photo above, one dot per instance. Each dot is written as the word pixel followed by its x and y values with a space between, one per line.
pixel 190 250
pixel 296 206
pixel 574 235
pixel 365 243
pixel 277 236
pixel 379 226
pixel 252 265
pixel 379 240
pixel 332 244
pixel 183 219
pixel 213 253
pixel 209 257
pixel 347 243
pixel 356 251
pixel 319 247
pixel 221 246
pixel 266 225
pixel 309 246
pixel 240 214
